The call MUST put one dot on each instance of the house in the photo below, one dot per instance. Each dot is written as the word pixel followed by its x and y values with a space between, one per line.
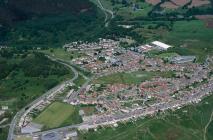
pixel 4 107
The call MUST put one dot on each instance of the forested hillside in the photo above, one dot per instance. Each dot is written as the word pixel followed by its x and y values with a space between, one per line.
pixel 48 23
pixel 13 10
pixel 26 75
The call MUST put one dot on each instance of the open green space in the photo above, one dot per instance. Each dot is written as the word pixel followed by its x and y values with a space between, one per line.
pixel 62 53
pixel 79 81
pixel 131 77
pixel 88 109
pixel 185 124
pixel 167 55
pixel 129 12
pixel 57 115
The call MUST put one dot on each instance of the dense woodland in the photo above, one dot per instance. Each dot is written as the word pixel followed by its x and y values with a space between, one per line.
pixel 32 64
pixel 48 23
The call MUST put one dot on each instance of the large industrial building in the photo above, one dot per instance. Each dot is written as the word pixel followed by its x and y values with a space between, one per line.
pixel 160 45
pixel 182 59
pixel 155 45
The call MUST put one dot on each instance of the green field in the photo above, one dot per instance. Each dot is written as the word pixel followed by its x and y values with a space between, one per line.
pixel 128 13
pixel 88 109
pixel 131 78
pixel 79 81
pixel 194 38
pixel 57 115
pixel 62 53
pixel 185 124
pixel 167 55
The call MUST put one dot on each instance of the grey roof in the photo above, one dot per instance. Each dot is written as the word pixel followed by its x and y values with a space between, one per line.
pixel 31 128
pixel 182 59
pixel 51 136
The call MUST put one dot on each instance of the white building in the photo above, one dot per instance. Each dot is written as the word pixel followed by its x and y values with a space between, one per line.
pixel 160 45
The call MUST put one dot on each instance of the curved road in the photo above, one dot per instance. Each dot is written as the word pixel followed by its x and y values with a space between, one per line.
pixel 106 12
pixel 21 112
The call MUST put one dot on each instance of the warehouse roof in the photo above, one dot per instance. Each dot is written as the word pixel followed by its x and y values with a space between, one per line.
pixel 160 44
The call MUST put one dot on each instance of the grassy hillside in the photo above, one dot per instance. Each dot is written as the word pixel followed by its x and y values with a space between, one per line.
pixel 191 38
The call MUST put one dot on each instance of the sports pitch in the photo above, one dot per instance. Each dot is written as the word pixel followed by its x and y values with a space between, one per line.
pixel 58 114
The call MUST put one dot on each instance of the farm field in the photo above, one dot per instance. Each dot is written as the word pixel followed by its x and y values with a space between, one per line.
pixel 174 4
pixel 185 124
pixel 187 31
pixel 58 114
pixel 130 78
pixel 191 38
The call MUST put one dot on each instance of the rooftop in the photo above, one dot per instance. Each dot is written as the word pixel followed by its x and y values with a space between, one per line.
pixel 162 45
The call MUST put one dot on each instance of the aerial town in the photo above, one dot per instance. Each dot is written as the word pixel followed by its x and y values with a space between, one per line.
pixel 106 69
pixel 158 86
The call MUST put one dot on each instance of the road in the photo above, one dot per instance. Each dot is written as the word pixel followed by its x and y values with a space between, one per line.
pixel 195 94
pixel 106 12
pixel 73 97
pixel 138 112
pixel 21 112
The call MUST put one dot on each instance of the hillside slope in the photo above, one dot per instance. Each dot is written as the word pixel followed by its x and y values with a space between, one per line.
pixel 13 10
pixel 48 23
